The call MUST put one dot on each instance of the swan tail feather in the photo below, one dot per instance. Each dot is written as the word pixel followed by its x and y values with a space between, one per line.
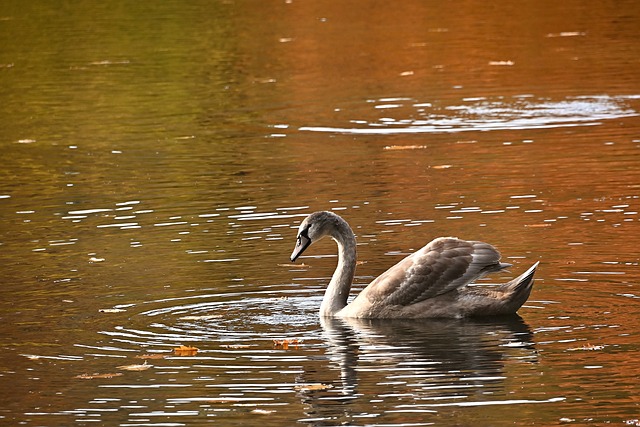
pixel 519 288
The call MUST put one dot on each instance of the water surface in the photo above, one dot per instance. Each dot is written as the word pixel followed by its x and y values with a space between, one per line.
pixel 158 159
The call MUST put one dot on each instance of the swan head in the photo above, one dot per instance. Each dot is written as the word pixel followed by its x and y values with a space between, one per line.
pixel 313 228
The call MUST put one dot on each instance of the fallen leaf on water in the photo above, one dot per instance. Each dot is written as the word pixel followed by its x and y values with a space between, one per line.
pixel 96 375
pixel 311 387
pixel 111 310
pixel 441 166
pixel 587 347
pixel 185 351
pixel 151 356
pixel 142 367
pixel 284 344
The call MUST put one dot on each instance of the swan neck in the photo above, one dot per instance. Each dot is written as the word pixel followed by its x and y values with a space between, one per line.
pixel 337 293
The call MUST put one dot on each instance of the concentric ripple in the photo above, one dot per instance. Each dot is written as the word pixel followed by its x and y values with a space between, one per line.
pixel 217 317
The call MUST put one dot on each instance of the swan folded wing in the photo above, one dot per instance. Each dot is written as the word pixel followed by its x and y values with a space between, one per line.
pixel 441 266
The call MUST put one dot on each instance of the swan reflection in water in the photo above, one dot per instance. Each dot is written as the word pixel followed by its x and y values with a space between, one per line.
pixel 378 364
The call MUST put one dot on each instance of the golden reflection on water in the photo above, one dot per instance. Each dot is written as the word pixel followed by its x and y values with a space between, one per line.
pixel 158 160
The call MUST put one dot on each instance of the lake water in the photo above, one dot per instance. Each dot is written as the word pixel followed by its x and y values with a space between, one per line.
pixel 157 158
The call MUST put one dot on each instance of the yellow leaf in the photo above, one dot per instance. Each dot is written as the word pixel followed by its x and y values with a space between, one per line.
pixel 311 387
pixel 284 344
pixel 185 351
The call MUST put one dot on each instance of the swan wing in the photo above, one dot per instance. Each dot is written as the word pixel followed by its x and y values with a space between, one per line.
pixel 445 264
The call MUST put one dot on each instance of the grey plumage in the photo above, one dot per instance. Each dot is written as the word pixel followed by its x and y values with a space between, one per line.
pixel 431 282
pixel 444 264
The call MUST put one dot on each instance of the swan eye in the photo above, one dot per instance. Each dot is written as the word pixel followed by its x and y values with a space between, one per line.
pixel 302 243
pixel 304 233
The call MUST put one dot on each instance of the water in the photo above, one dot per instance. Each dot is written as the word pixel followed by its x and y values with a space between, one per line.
pixel 157 162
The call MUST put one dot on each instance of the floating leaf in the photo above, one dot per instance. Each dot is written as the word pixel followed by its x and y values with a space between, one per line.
pixel 96 375
pixel 142 367
pixel 284 344
pixel 311 387
pixel 185 351
pixel 441 166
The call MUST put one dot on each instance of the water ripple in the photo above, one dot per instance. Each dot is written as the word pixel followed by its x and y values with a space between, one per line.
pixel 483 114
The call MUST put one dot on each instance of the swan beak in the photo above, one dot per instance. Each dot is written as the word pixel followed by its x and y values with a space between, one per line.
pixel 302 244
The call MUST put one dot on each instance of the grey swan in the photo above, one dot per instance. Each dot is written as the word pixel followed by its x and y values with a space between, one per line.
pixel 433 282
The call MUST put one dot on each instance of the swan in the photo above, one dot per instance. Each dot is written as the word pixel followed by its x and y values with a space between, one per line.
pixel 433 282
